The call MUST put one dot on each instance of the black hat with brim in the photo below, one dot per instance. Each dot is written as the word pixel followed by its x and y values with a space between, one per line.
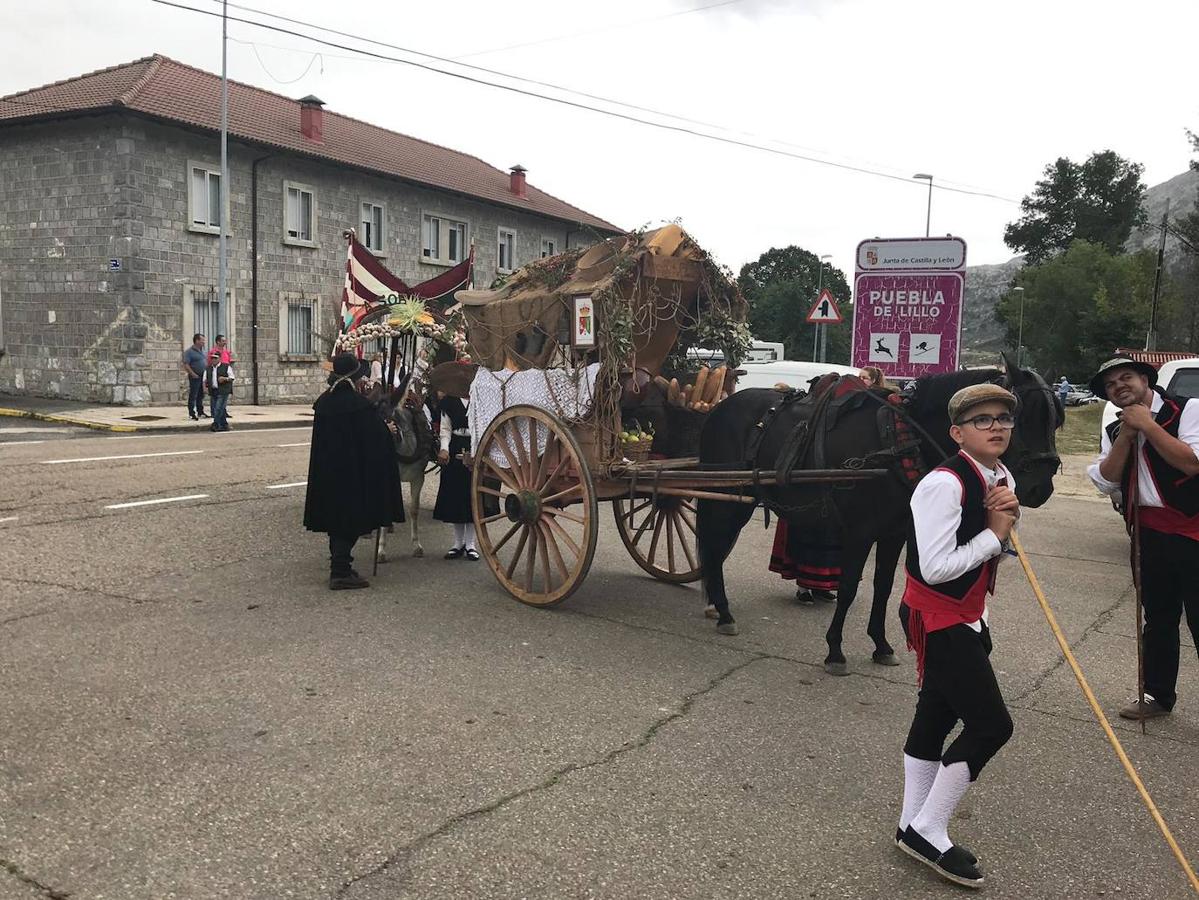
pixel 1120 362
pixel 347 365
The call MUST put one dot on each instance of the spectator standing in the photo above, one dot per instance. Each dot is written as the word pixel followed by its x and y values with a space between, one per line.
pixel 221 343
pixel 193 367
pixel 1063 390
pixel 219 377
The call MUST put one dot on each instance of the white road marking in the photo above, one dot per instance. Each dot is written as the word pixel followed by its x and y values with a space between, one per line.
pixel 55 462
pixel 9 519
pixel 155 502
pixel 275 487
pixel 301 444
pixel 17 443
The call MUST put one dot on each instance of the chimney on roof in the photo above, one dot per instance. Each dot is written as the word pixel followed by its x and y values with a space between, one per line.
pixel 312 117
pixel 517 183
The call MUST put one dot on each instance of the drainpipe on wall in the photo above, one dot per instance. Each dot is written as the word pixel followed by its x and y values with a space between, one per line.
pixel 254 271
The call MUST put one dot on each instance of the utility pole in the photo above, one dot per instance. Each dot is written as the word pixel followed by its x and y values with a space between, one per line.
pixel 222 291
pixel 1020 331
pixel 928 213
pixel 1151 338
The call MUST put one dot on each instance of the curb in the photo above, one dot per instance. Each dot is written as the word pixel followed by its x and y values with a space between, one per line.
pixel 65 420
pixel 140 429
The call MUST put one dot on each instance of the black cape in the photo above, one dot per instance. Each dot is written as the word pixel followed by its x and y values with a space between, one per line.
pixel 353 481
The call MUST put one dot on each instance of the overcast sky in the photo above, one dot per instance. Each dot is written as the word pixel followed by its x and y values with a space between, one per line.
pixel 979 95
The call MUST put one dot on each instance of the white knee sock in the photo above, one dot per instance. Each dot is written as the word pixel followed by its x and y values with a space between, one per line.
pixel 918 775
pixel 468 532
pixel 459 535
pixel 943 797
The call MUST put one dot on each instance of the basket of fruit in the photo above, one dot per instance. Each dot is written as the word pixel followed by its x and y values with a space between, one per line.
pixel 635 443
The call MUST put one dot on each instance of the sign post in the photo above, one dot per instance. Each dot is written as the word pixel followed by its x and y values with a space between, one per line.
pixel 908 293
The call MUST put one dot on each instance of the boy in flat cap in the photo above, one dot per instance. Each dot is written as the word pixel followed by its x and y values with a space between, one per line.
pixel 1161 432
pixel 962 515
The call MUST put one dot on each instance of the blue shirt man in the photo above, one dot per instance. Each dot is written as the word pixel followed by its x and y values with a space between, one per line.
pixel 194 363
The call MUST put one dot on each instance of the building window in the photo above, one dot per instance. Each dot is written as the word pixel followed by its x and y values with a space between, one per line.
pixel 299 214
pixel 374 215
pixel 298 318
pixel 506 252
pixel 443 240
pixel 549 247
pixel 204 198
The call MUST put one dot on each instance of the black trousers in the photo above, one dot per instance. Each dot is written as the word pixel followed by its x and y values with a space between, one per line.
pixel 959 684
pixel 195 396
pixel 1169 585
pixel 341 559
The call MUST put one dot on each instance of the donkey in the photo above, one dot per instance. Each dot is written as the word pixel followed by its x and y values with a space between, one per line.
pixel 865 512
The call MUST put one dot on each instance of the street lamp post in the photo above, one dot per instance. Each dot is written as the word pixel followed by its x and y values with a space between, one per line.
pixel 819 286
pixel 928 216
pixel 1020 330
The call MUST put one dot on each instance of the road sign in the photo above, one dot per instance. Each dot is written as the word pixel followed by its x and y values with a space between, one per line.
pixel 824 310
pixel 907 317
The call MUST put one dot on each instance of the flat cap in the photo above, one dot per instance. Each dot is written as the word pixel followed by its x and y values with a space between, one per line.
pixel 968 397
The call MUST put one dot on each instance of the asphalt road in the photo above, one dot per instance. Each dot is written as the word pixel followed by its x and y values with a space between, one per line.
pixel 187 711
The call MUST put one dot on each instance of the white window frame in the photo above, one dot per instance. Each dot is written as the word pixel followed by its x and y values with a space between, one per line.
pixel 310 241
pixel 189 317
pixel 209 171
pixel 499 236
pixel 445 224
pixel 380 249
pixel 286 300
pixel 552 242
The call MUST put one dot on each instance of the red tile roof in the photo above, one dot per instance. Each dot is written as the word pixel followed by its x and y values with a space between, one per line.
pixel 165 89
pixel 1155 358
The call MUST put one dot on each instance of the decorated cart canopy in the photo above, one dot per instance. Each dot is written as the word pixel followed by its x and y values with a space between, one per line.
pixel 632 300
pixel 583 329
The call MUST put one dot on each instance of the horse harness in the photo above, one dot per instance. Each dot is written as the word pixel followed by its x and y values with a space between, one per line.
pixel 831 398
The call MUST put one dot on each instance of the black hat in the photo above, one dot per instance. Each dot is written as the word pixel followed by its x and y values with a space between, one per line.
pixel 1118 362
pixel 349 366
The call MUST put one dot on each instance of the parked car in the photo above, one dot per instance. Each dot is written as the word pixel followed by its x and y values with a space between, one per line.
pixel 1079 395
pixel 1179 377
pixel 789 372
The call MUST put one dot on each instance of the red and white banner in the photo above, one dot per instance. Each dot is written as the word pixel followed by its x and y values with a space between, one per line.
pixel 369 286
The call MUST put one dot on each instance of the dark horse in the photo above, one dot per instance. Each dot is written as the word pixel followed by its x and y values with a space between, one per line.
pixel 866 512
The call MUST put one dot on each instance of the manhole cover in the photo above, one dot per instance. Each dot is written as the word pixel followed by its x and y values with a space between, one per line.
pixel 251 414
pixel 143 418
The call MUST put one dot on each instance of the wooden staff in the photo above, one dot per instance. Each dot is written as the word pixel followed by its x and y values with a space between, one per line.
pixel 1134 490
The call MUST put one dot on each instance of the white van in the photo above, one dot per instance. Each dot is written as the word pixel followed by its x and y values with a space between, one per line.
pixel 789 372
pixel 1179 377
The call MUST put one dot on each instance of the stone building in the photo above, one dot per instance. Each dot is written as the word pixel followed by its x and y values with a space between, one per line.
pixel 109 220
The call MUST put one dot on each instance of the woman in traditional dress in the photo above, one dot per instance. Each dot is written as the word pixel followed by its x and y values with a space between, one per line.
pixel 453 494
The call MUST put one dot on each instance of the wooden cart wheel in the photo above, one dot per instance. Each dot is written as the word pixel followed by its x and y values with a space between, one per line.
pixel 660 536
pixel 534 505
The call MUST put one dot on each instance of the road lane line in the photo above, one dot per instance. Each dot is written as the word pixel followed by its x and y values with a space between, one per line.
pixel 154 502
pixel 301 444
pixel 9 519
pixel 275 487
pixel 15 443
pixel 55 462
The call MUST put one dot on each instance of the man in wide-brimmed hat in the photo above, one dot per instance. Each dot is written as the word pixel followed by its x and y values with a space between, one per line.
pixel 353 485
pixel 1162 433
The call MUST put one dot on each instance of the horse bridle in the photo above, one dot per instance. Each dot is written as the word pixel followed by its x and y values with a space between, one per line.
pixel 1024 459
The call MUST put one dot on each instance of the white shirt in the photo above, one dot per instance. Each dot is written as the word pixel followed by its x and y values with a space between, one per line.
pixel 937 515
pixel 1147 495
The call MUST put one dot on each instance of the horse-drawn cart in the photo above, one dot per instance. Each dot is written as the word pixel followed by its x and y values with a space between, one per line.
pixel 573 353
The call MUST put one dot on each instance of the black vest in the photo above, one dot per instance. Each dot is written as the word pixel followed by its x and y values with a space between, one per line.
pixel 974 520
pixel 1179 492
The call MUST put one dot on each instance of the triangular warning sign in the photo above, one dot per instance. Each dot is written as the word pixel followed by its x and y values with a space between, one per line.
pixel 824 310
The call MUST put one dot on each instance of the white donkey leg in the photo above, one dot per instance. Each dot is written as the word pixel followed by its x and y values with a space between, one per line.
pixel 415 487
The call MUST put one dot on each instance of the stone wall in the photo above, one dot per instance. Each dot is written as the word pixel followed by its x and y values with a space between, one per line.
pixel 75 195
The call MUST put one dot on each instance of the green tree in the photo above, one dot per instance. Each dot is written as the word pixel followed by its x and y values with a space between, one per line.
pixel 1098 201
pixel 1079 306
pixel 781 286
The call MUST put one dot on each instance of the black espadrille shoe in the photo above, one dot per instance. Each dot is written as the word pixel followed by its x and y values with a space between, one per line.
pixel 953 865
pixel 899 844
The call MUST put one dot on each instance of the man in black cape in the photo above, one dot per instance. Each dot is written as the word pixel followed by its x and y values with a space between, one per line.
pixel 353 482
